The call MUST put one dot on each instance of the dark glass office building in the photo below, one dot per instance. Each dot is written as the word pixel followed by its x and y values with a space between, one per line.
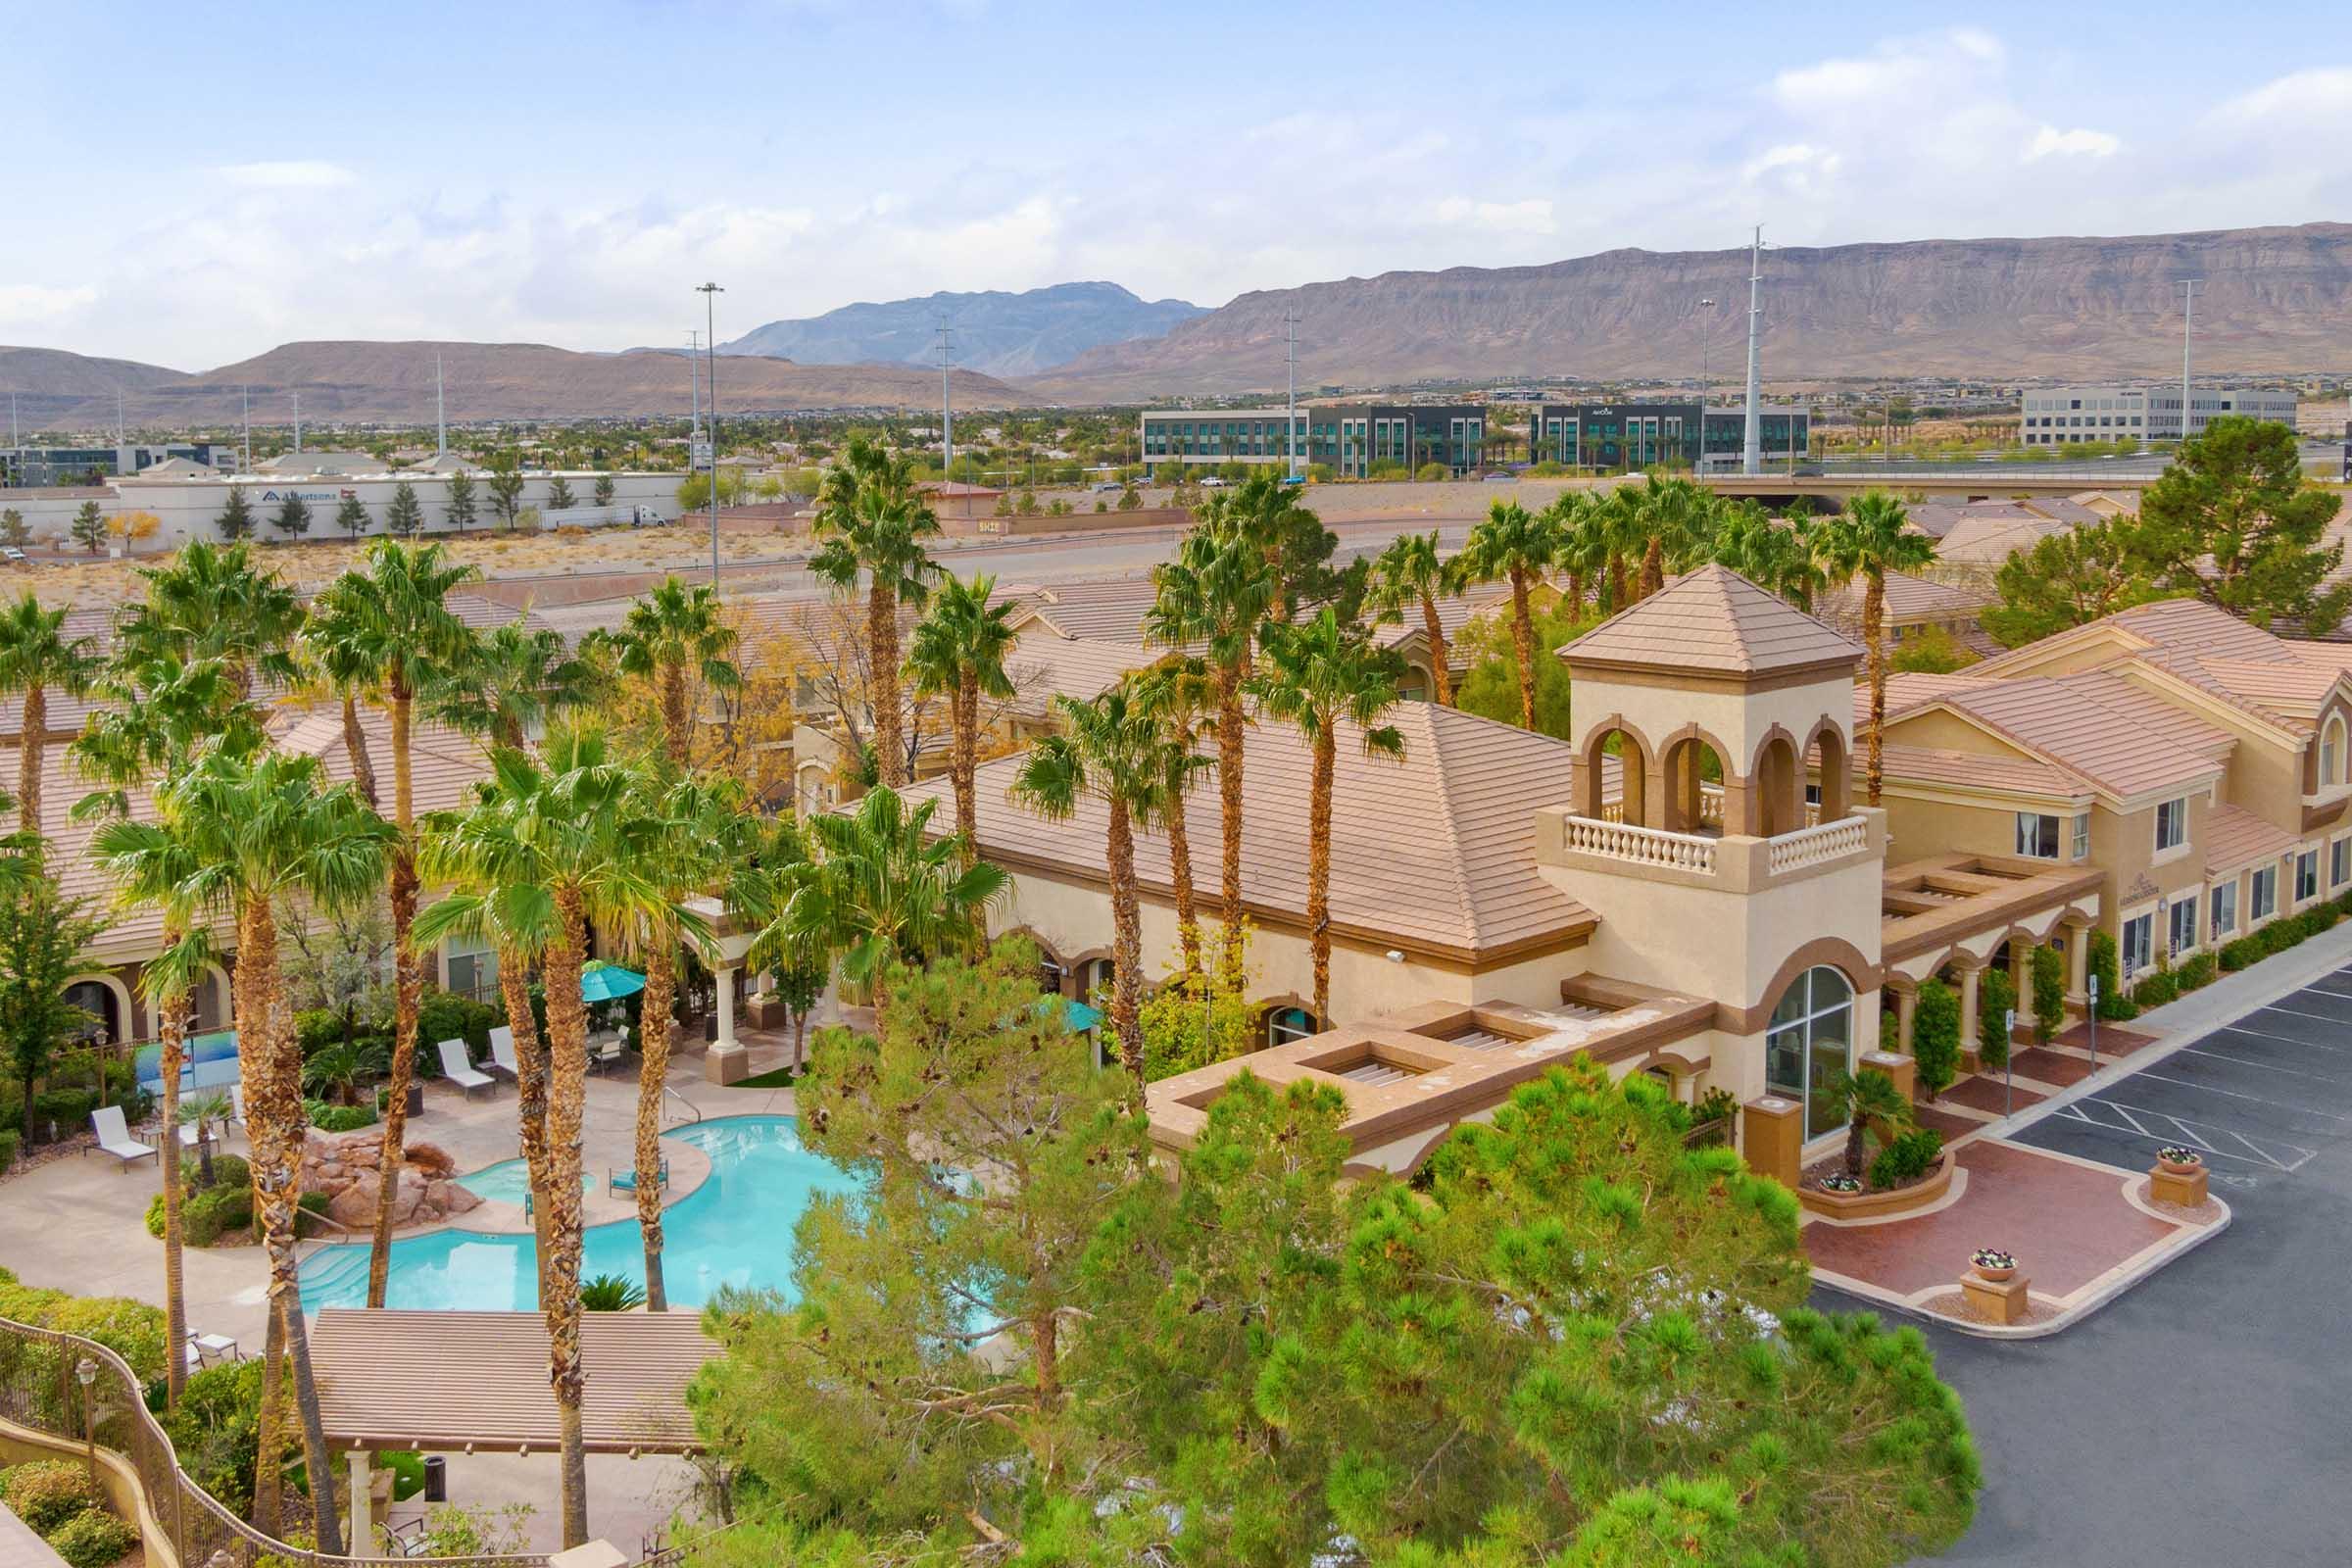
pixel 1349 438
pixel 40 467
pixel 1628 437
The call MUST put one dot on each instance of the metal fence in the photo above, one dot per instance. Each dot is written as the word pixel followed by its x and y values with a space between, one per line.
pixel 41 1388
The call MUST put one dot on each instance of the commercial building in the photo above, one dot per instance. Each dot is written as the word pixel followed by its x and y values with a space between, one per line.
pixel 2052 417
pixel 1628 437
pixel 1348 439
pixel 30 467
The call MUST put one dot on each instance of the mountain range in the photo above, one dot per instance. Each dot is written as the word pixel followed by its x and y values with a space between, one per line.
pixel 996 333
pixel 2093 309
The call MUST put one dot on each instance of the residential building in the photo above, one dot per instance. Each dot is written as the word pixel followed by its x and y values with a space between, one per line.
pixel 2058 416
pixel 1626 437
pixel 1348 439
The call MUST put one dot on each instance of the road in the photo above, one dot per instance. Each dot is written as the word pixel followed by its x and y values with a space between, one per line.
pixel 2206 1414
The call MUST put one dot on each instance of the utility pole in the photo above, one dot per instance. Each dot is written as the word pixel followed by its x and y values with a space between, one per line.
pixel 1750 435
pixel 440 410
pixel 298 425
pixel 711 293
pixel 1290 426
pixel 248 391
pixel 2188 316
pixel 946 409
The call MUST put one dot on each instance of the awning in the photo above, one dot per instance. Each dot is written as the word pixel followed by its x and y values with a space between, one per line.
pixel 446 1382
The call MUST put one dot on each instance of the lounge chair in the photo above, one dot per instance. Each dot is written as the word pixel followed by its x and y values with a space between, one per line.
pixel 626 1181
pixel 236 1105
pixel 114 1139
pixel 502 1052
pixel 458 1070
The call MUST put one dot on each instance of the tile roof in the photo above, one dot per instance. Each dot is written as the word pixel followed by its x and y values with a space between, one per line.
pixel 1462 880
pixel 2013 773
pixel 1989 541
pixel 1909 599
pixel 2097 726
pixel 2234 836
pixel 1107 608
pixel 1713 620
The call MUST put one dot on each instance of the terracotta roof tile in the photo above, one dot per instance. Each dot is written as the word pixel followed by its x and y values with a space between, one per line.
pixel 2235 837
pixel 2015 774
pixel 2098 726
pixel 1715 620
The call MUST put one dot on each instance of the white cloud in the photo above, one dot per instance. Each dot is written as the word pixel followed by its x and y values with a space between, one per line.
pixel 1530 217
pixel 2050 141
pixel 36 306
pixel 2319 93
pixel 294 174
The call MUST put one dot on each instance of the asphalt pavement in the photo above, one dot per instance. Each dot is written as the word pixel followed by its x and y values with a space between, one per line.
pixel 2206 1414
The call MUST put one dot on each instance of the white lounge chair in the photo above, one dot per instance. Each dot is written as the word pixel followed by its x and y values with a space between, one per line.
pixel 458 1070
pixel 236 1105
pixel 502 1052
pixel 114 1139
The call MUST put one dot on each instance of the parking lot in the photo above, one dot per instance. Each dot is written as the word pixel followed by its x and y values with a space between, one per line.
pixel 2207 1413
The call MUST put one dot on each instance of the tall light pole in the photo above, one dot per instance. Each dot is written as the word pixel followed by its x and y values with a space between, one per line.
pixel 711 293
pixel 1706 328
pixel 2188 316
pixel 1291 426
pixel 1753 428
pixel 440 410
pixel 946 411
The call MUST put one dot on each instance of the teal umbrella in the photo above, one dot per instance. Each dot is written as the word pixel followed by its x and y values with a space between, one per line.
pixel 1081 1017
pixel 608 982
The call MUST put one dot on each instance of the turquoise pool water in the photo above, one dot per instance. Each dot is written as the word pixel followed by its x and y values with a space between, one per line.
pixel 510 1182
pixel 735 1229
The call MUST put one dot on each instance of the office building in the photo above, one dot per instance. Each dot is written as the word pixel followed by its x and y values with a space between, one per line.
pixel 2053 417
pixel 1626 437
pixel 1348 439
pixel 29 468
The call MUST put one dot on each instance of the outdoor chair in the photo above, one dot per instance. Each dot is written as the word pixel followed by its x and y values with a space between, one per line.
pixel 114 1139
pixel 236 1105
pixel 626 1181
pixel 211 1349
pixel 604 1051
pixel 458 1070
pixel 502 1052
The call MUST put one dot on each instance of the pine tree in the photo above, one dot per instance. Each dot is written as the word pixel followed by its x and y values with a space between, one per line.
pixel 460 506
pixel 560 497
pixel 293 516
pixel 506 488
pixel 89 527
pixel 236 518
pixel 403 517
pixel 13 530
pixel 352 516
pixel 603 489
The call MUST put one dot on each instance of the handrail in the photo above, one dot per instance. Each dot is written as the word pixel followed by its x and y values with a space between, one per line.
pixel 693 1111
pixel 40 1396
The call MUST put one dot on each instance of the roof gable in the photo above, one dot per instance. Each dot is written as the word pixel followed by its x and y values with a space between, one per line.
pixel 1713 621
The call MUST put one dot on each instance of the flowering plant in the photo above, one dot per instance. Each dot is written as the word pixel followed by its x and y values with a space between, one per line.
pixel 1841 1183
pixel 2178 1154
pixel 1992 1257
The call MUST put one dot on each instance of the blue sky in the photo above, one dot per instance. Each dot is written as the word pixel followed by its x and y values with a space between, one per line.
pixel 208 184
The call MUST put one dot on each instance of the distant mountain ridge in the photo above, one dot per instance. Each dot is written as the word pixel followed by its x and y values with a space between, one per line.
pixel 2274 299
pixel 996 332
pixel 387 383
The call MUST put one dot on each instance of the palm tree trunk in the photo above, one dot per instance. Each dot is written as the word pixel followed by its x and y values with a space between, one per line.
pixel 407 995
pixel 1523 644
pixel 1229 805
pixel 1616 582
pixel 31 745
pixel 1873 636
pixel 882 642
pixel 1180 872
pixel 964 765
pixel 530 1097
pixel 252 1071
pixel 1575 594
pixel 1653 567
pixel 674 737
pixel 653 1046
pixel 276 1120
pixel 269 1431
pixel 170 1008
pixel 1126 947
pixel 567 1093
pixel 1441 677
pixel 1318 868
pixel 354 748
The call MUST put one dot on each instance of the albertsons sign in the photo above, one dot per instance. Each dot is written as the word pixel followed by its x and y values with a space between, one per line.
pixel 309 495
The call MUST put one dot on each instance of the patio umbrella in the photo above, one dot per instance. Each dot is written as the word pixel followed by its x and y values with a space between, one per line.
pixel 608 982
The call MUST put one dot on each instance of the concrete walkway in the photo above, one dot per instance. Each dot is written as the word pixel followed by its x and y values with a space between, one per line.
pixel 20 1547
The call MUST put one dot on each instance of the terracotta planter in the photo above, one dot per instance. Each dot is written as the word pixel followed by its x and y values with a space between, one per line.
pixel 2188 1167
pixel 1997 1276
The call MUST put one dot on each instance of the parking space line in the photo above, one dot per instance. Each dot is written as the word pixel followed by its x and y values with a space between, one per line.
pixel 2289 1040
pixel 2316 1017
pixel 2196 1134
pixel 2264 1066
pixel 2254 1100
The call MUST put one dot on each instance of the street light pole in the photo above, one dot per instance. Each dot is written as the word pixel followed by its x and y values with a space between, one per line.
pixel 710 293
pixel 2188 316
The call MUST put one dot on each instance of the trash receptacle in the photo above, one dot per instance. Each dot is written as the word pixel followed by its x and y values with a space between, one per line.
pixel 436 1478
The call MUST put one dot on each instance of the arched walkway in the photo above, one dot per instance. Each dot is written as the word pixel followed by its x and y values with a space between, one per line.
pixel 1776 789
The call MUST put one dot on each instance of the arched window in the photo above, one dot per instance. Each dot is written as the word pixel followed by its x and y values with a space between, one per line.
pixel 97 998
pixel 1809 1045
pixel 2331 752
pixel 1286 1024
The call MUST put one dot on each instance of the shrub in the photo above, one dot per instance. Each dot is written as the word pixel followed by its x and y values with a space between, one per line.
pixel 213 1212
pixel 2113 1004
pixel 93 1540
pixel 316 1028
pixel 1936 1036
pixel 1910 1156
pixel 340 1118
pixel 2238 954
pixel 132 1329
pixel 217 1429
pixel 8 1148
pixel 610 1293
pixel 47 1493
pixel 231 1170
pixel 1433 473
pixel 1995 996
pixel 2156 990
pixel 67 1109
pixel 441 1016
pixel 2198 971
pixel 2049 992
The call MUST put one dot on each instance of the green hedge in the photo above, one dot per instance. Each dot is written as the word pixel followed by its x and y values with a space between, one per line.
pixel 2282 934
pixel 93 1540
pixel 1936 1036
pixel 443 1016
pixel 340 1118
pixel 47 1493
pixel 1907 1158
pixel 1996 998
pixel 132 1329
pixel 2155 991
pixel 67 1109
pixel 2049 992
pixel 2114 1006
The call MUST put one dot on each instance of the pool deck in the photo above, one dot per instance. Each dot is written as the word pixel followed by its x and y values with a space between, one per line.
pixel 80 1225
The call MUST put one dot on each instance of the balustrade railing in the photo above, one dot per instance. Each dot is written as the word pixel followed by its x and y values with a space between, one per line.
pixel 1643 846
pixel 1810 846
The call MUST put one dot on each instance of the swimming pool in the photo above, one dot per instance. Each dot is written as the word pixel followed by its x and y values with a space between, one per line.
pixel 510 1182
pixel 735 1229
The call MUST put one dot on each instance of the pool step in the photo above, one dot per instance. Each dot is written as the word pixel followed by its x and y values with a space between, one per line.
pixel 335 1274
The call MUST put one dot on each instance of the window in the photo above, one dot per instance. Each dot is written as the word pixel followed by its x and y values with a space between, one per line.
pixel 2307 874
pixel 2171 824
pixel 1286 1024
pixel 1809 1045
pixel 2037 835
pixel 2082 837
pixel 2180 928
pixel 473 969
pixel 2265 901
pixel 2139 935
pixel 2331 753
pixel 2223 903
pixel 2339 862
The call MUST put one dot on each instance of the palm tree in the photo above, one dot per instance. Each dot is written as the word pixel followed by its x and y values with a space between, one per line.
pixel 382 633
pixel 1874 1108
pixel 671 634
pixel 36 657
pixel 881 890
pixel 872 521
pixel 958 652
pixel 1111 749
pixel 1519 547
pixel 513 682
pixel 1676 523
pixel 1318 677
pixel 238 834
pixel 1217 593
pixel 1410 572
pixel 1778 557
pixel 1180 694
pixel 545 848
pixel 1872 537
pixel 1585 534
pixel 214 602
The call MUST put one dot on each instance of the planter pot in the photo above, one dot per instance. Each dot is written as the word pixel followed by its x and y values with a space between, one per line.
pixel 2175 1167
pixel 1997 1276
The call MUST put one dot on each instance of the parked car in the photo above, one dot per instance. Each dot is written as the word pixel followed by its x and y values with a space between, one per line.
pixel 1213 482
pixel 1502 477
pixel 12 554
pixel 1108 487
